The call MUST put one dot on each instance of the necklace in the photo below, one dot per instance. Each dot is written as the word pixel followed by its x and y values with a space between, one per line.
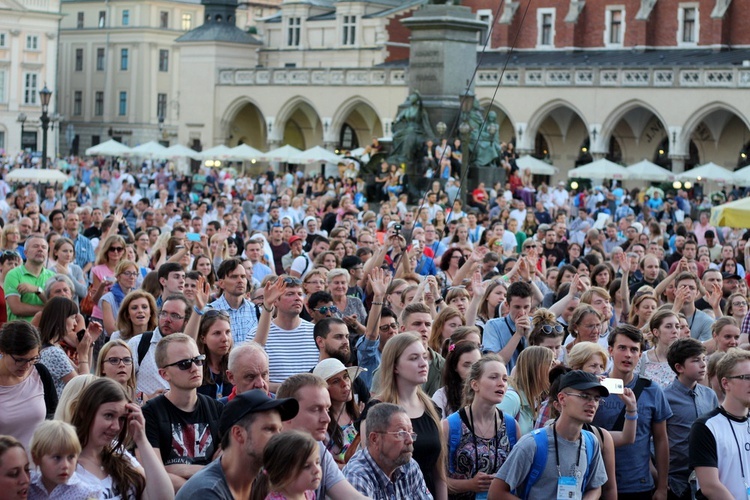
pixel 91 462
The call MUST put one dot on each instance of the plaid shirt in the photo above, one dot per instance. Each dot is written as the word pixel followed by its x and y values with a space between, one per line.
pixel 84 250
pixel 370 480
pixel 243 319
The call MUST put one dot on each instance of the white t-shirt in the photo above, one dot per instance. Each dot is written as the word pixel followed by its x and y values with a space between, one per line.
pixel 107 488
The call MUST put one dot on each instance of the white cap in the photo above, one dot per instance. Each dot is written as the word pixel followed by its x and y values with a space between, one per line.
pixel 332 366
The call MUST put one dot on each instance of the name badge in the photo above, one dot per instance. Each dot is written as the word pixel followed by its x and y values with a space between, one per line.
pixel 567 488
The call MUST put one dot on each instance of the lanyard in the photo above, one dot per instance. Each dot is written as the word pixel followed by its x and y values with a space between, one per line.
pixel 219 385
pixel 489 445
pixel 739 450
pixel 557 456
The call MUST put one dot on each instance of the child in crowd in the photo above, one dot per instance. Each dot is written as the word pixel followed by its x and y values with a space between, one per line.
pixel 291 466
pixel 54 450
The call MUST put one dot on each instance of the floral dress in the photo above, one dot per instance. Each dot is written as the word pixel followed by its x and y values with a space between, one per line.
pixel 658 372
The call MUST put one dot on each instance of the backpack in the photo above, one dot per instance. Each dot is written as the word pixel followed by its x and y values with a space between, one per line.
pixel 454 434
pixel 540 460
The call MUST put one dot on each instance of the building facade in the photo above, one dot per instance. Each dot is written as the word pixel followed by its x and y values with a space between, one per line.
pixel 28 62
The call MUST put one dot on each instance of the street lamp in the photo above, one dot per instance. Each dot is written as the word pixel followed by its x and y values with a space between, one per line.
pixel 44 96
pixel 22 120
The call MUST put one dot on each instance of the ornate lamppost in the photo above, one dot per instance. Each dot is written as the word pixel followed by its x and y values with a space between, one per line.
pixel 44 96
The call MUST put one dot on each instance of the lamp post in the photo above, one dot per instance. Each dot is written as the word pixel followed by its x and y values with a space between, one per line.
pixel 44 96
pixel 22 120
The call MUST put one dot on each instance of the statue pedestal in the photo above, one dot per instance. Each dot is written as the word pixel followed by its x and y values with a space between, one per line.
pixel 442 58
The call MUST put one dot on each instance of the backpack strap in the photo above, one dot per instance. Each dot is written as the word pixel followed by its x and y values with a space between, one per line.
pixel 143 346
pixel 540 460
pixel 640 384
pixel 510 429
pixel 590 457
pixel 454 437
pixel 50 393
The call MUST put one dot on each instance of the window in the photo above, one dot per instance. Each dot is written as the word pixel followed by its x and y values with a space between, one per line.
pixel 163 60
pixel 350 30
pixel 484 16
pixel 78 103
pixel 614 29
pixel 123 106
pixel 164 19
pixel 294 25
pixel 99 104
pixel 79 24
pixel 545 27
pixel 126 17
pixel 32 42
pixel 102 19
pixel 2 40
pixel 79 59
pixel 2 86
pixel 2 140
pixel 688 28
pixel 30 88
pixel 100 59
pixel 161 105
pixel 123 59
pixel 187 22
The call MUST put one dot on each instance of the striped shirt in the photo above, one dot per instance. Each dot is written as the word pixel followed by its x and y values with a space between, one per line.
pixel 243 319
pixel 290 351
pixel 85 254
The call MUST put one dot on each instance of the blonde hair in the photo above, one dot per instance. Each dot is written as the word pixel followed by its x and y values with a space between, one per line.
pixel 69 397
pixel 584 351
pixel 476 372
pixel 531 375
pixel 131 382
pixel 633 318
pixel 54 437
pixel 101 256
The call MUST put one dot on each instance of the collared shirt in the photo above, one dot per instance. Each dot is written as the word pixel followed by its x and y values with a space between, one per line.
pixel 497 333
pixel 260 271
pixel 73 489
pixel 21 275
pixel 243 319
pixel 84 250
pixel 149 380
pixel 370 480
pixel 687 406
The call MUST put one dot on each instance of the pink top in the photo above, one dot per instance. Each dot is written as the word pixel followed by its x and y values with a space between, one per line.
pixel 101 271
pixel 23 408
pixel 275 495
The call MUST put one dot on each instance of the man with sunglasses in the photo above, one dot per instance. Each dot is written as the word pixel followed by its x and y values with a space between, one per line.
pixel 320 306
pixel 182 425
pixel 24 292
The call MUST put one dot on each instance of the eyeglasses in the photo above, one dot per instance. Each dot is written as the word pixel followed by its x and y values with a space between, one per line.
pixel 291 280
pixel 326 309
pixel 402 435
pixel 315 282
pixel 739 303
pixel 595 398
pixel 127 361
pixel 737 377
pixel 129 274
pixel 21 362
pixel 186 364
pixel 172 316
pixel 389 326
pixel 116 249
pixel 549 329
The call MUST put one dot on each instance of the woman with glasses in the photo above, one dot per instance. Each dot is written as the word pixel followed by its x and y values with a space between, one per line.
pixel 66 350
pixel 352 310
pixel 115 361
pixel 215 342
pixel 450 262
pixel 111 252
pixel 585 325
pixel 63 254
pixel 10 238
pixel 393 295
pixel 27 392
pixel 736 307
pixel 126 275
pixel 314 281
pixel 528 386
pixel 8 260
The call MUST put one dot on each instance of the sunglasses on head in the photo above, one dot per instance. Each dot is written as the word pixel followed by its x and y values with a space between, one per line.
pixel 215 312
pixel 186 364
pixel 550 329
pixel 291 280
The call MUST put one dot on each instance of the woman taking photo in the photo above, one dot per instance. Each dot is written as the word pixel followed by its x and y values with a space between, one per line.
pixel 215 341
pixel 110 254
pixel 104 420
pixel 403 370
pixel 529 384
pixel 63 254
pixel 115 361
pixel 461 356
pixel 352 310
pixel 66 351
pixel 27 391
pixel 137 314
pixel 126 275
pixel 486 433
pixel 344 411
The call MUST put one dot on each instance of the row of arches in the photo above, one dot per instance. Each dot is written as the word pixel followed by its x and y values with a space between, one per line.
pixel 557 130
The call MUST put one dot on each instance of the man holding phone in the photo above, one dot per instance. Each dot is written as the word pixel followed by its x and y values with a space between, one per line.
pixel 508 336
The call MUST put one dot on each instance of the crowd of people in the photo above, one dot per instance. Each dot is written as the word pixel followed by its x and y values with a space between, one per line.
pixel 219 336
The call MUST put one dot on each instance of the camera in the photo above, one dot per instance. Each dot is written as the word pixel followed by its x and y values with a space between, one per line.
pixel 397 227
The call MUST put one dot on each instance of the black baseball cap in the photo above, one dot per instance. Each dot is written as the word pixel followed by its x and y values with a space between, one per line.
pixel 255 401
pixel 730 276
pixel 582 381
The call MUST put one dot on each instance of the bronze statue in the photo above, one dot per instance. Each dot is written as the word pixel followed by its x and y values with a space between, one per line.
pixel 411 129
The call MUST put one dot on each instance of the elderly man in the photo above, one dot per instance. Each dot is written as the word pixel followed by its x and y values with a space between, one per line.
pixel 247 369
pixel 385 469
pixel 23 285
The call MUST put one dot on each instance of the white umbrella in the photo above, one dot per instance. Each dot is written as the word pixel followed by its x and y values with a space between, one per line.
pixel 742 177
pixel 36 175
pixel 179 151
pixel 599 169
pixel 535 165
pixel 245 152
pixel 149 149
pixel 648 171
pixel 709 172
pixel 357 152
pixel 109 148
pixel 220 152
pixel 316 154
pixel 283 154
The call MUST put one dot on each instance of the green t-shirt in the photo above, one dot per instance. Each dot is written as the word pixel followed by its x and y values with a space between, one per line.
pixel 21 275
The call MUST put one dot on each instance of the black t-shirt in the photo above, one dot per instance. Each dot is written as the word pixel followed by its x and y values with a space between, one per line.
pixel 92 232
pixel 182 437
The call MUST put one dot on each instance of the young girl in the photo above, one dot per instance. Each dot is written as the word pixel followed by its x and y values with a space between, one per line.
pixel 215 341
pixel 291 467
pixel 461 356
pixel 55 449
pixel 665 329
pixel 725 333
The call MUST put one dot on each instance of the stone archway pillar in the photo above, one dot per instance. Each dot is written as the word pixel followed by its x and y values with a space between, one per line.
pixel 678 163
pixel 524 141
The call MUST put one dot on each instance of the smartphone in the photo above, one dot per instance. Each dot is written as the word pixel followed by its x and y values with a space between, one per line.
pixel 110 279
pixel 193 237
pixel 614 385
pixel 80 334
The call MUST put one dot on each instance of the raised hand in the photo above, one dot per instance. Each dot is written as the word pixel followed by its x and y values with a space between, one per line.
pixel 477 255
pixel 379 281
pixel 202 293
pixel 94 330
pixel 477 285
pixel 272 292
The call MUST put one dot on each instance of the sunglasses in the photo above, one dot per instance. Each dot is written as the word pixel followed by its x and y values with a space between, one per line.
pixel 291 280
pixel 215 312
pixel 550 329
pixel 116 249
pixel 186 364
pixel 326 309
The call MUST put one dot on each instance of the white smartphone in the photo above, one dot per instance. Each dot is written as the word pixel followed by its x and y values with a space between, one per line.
pixel 614 385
